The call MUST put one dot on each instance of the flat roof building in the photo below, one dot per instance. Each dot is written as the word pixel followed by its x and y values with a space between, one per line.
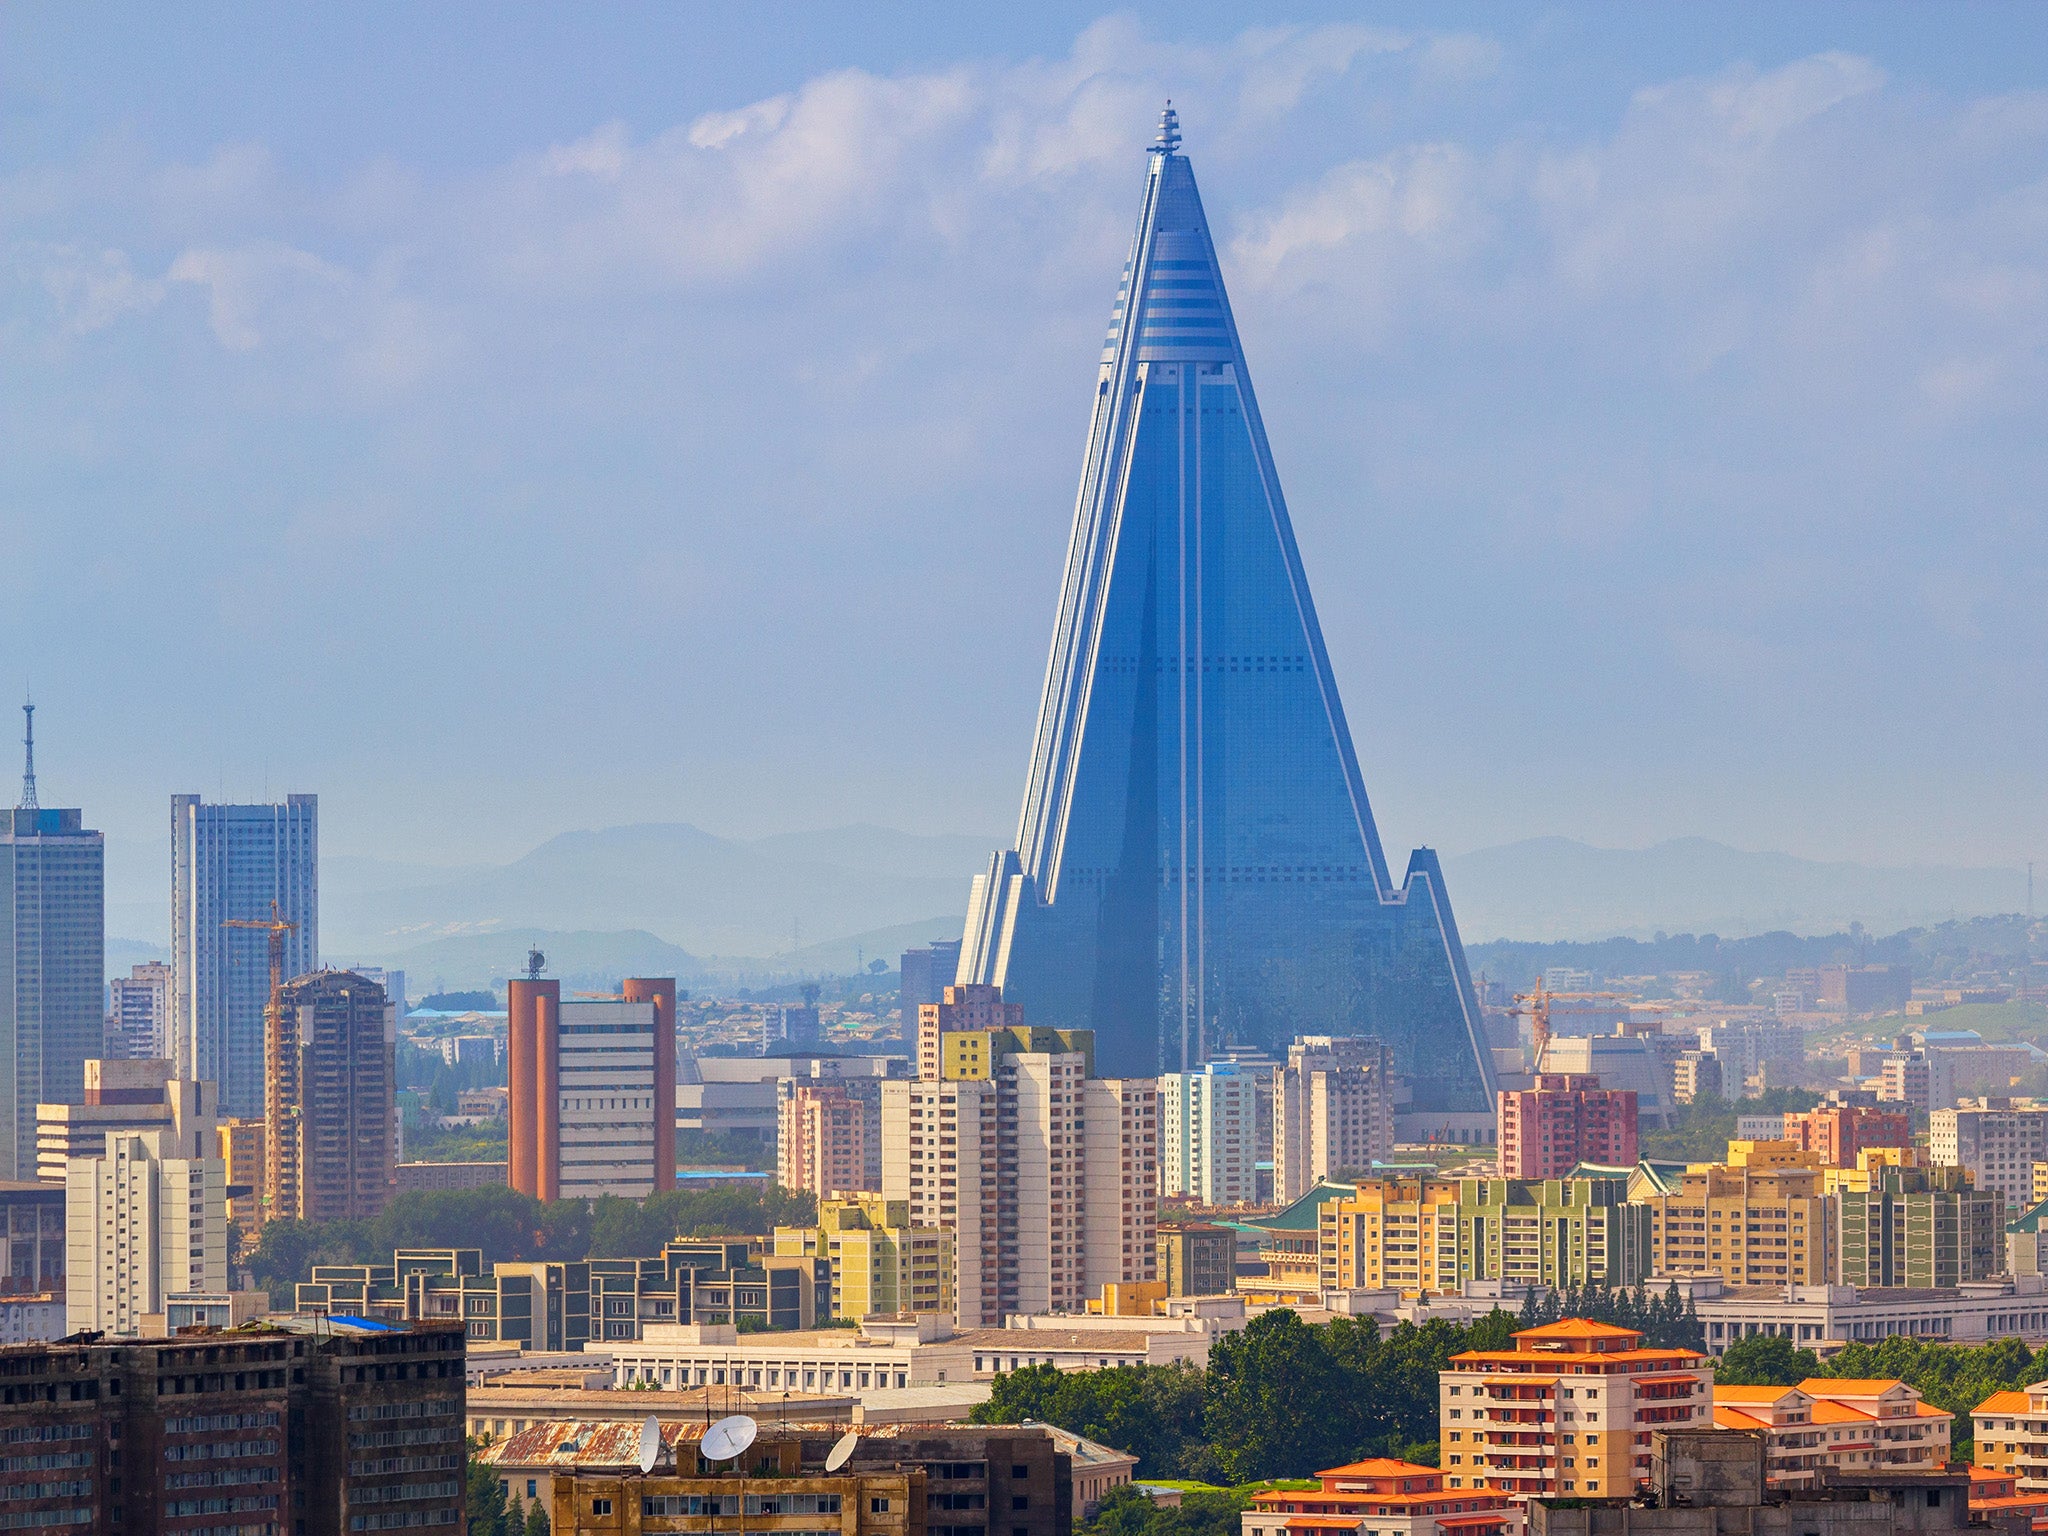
pixel 593 1090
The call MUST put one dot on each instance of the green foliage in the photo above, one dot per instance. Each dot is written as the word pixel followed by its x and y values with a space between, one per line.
pixel 486 1499
pixel 1280 1398
pixel 1208 1512
pixel 537 1520
pixel 722 1149
pixel 512 1227
pixel 1700 1131
pixel 1765 1360
pixel 623 1229
pixel 1665 1322
pixel 484 1143
pixel 1154 1412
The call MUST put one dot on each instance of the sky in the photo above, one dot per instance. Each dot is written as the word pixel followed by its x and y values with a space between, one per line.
pixel 501 419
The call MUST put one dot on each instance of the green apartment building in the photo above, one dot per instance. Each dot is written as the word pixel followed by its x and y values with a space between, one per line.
pixel 1921 1227
pixel 1552 1232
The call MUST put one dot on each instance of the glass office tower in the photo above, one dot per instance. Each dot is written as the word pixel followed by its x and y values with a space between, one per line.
pixel 1196 864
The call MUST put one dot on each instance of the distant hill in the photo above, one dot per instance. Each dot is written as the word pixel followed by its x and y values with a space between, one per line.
pixel 591 962
pixel 1550 888
pixel 707 894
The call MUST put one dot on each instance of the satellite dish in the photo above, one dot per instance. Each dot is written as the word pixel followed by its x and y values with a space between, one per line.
pixel 728 1437
pixel 650 1445
pixel 842 1450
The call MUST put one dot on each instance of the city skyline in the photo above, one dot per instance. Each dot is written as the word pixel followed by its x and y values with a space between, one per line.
pixel 1673 387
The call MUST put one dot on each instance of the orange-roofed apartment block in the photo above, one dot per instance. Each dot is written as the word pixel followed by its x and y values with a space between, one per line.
pixel 1381 1497
pixel 2012 1435
pixel 1567 1412
pixel 1845 1426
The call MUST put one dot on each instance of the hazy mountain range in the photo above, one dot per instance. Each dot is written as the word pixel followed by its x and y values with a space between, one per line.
pixel 671 898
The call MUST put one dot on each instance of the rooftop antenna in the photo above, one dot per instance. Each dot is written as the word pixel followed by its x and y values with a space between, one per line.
pixel 28 767
pixel 1169 131
pixel 536 962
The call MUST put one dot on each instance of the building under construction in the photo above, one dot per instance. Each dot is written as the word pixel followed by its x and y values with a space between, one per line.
pixel 328 1153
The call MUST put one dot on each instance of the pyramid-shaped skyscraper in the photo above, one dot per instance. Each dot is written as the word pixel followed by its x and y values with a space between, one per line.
pixel 1196 864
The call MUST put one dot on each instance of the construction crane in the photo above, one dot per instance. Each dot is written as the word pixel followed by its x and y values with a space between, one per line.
pixel 280 1077
pixel 1538 1012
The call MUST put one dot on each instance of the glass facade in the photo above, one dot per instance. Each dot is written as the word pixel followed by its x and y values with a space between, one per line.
pixel 1196 864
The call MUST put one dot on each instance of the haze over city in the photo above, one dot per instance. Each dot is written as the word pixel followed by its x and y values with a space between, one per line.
pixel 632 417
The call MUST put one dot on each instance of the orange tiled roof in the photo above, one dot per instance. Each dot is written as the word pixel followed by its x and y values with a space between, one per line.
pixel 1735 1418
pixel 1848 1386
pixel 1549 1358
pixel 1825 1412
pixel 1380 1466
pixel 2003 1402
pixel 1751 1394
pixel 1578 1328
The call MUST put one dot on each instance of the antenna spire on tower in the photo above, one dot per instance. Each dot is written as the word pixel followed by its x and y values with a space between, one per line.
pixel 28 768
pixel 1169 131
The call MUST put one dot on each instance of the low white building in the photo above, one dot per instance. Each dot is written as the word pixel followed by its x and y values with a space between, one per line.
pixel 896 1354
pixel 1813 1316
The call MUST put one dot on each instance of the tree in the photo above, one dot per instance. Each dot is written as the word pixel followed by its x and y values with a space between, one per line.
pixel 1764 1360
pixel 486 1498
pixel 1274 1399
pixel 1129 1511
pixel 537 1523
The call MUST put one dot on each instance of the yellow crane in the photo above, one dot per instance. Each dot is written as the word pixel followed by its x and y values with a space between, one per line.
pixel 280 1078
pixel 1538 1012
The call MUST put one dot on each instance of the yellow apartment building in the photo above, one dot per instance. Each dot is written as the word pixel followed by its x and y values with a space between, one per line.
pixel 880 1262
pixel 1758 1221
pixel 1393 1234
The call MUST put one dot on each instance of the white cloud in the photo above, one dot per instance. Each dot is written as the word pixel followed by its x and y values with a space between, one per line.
pixel 256 292
pixel 94 289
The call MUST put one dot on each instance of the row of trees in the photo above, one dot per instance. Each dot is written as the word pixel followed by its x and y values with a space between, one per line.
pixel 1279 1398
pixel 1953 1377
pixel 512 1227
pixel 1664 1321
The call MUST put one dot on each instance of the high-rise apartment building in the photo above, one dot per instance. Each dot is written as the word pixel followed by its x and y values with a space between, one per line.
pixel 239 1145
pixel 1920 1227
pixel 881 1263
pixel 52 963
pixel 823 1137
pixel 125 1097
pixel 1197 1258
pixel 1751 1225
pixel 1916 1078
pixel 592 1102
pixel 1333 1111
pixel 925 974
pixel 139 1011
pixel 1837 1134
pixel 1392 1234
pixel 249 862
pixel 961 1008
pixel 1548 1130
pixel 1196 862
pixel 1997 1141
pixel 1568 1411
pixel 315 1428
pixel 140 1227
pixel 1208 1134
pixel 1547 1233
pixel 1046 1175
pixel 329 1088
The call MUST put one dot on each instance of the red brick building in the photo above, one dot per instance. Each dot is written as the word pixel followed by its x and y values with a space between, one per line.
pixel 1566 1119
pixel 1838 1135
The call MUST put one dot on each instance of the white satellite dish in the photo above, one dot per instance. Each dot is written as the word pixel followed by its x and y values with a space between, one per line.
pixel 650 1445
pixel 842 1450
pixel 728 1437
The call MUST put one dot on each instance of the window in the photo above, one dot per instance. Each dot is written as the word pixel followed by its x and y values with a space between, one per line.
pixel 600 1506
pixel 878 1506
